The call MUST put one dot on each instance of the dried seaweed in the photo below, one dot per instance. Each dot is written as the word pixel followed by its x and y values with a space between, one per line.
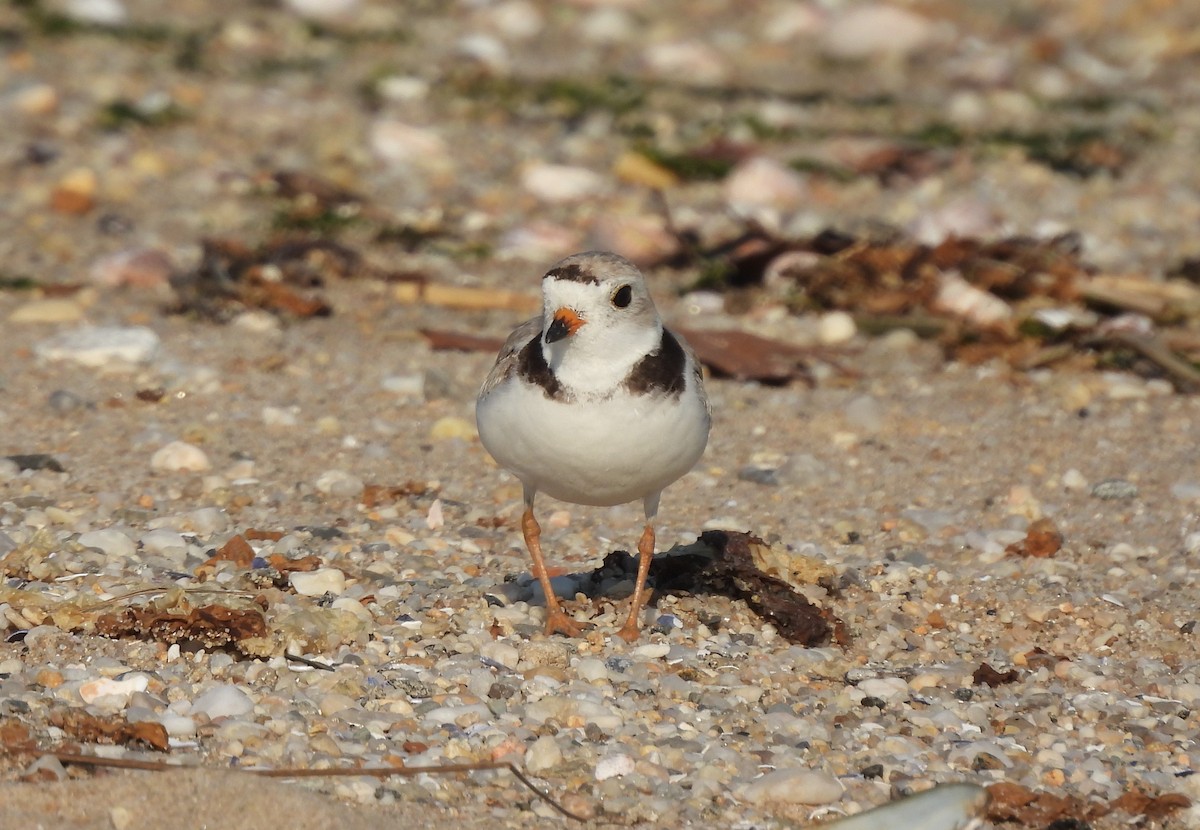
pixel 1013 802
pixel 1030 302
pixel 280 276
pixel 724 563
pixel 374 495
pixel 93 729
pixel 985 675
pixel 743 356
pixel 208 626
pixel 1042 540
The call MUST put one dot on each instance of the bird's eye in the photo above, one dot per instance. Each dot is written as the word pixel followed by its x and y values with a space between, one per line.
pixel 623 296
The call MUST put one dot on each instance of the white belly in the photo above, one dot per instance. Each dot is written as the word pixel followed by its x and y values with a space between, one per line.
pixel 600 452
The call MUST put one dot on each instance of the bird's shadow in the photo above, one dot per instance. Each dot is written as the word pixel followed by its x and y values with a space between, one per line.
pixel 718 563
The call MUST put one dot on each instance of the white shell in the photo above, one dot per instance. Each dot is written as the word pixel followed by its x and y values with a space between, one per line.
pixel 947 807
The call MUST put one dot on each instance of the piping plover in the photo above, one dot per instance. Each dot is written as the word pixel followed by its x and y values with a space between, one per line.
pixel 594 402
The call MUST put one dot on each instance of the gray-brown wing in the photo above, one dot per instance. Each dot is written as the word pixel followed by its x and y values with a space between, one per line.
pixel 697 371
pixel 506 361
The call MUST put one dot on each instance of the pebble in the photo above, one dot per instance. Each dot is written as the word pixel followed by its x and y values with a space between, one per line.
pixel 793 786
pixel 614 766
pixel 97 12
pixel 115 692
pixel 36 100
pixel 45 765
pixel 688 60
pixel 501 652
pixel 406 145
pixel 539 240
pixel 536 653
pixel 965 217
pixel 326 11
pixel 591 669
pixel 516 19
pixel 257 322
pixel 450 427
pixel 543 754
pixel 435 518
pixel 606 25
pixel 49 310
pixel 407 386
pixel 180 457
pixel 112 542
pixel 793 20
pixel 157 542
pixel 485 49
pixel 333 703
pixel 177 726
pixel 204 521
pixel 122 817
pixel 461 716
pixel 1115 489
pixel 1072 479
pixel 652 651
pixel 557 183
pixel 885 688
pixel 352 606
pixel 962 299
pixel 760 183
pixel 865 413
pixel 574 711
pixel 318 583
pixel 640 239
pixel 64 401
pixel 339 484
pixel 867 30
pixel 280 416
pixel 835 328
pixel 136 268
pixel 222 700
pixel 75 193
pixel 101 346
pixel 1186 490
pixel 403 88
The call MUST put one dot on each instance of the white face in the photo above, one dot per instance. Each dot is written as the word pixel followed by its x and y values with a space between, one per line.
pixel 618 304
pixel 613 321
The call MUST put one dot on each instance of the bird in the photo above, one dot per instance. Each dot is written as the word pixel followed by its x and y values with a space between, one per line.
pixel 594 402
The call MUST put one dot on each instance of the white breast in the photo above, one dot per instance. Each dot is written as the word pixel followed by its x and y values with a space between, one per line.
pixel 589 451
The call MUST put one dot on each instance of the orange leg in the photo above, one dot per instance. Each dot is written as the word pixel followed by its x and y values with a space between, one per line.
pixel 629 632
pixel 557 622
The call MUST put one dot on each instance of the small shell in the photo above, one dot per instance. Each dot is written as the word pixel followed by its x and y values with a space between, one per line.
pixel 613 766
pixel 948 807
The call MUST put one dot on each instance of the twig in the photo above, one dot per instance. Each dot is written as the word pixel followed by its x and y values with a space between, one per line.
pixel 687 243
pixel 1164 301
pixel 922 325
pixel 1182 374
pixel 287 655
pixel 341 772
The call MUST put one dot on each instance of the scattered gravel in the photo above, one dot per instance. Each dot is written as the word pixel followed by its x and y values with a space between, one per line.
pixel 384 613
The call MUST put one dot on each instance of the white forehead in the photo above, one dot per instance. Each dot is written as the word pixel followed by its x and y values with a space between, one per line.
pixel 574 294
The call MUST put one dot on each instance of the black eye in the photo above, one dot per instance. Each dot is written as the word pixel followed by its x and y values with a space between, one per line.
pixel 623 296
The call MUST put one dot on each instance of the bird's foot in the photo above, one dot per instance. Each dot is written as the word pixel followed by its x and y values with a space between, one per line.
pixel 631 631
pixel 557 622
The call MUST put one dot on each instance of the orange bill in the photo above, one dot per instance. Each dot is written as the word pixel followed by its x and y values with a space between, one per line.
pixel 569 319
pixel 566 322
